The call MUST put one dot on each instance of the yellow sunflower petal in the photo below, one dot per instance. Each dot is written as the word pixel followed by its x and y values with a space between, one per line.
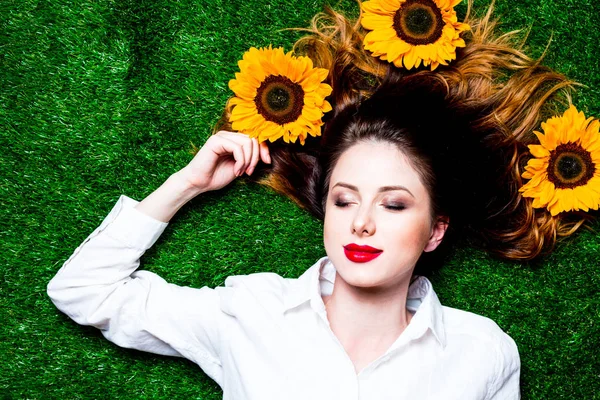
pixel 410 58
pixel 398 48
pixel 324 90
pixel 594 184
pixel 243 90
pixel 381 6
pixel 548 192
pixel 594 127
pixel 591 143
pixel 538 151
pixel 556 209
pixel 247 125
pixel 242 111
pixel 537 163
pixel 537 179
pixel 312 113
pixel 586 199
pixel 380 35
pixel 375 21
pixel 527 175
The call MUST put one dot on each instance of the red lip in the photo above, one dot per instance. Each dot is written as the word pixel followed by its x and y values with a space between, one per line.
pixel 361 254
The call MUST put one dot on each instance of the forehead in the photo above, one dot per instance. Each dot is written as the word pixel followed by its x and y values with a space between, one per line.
pixel 371 165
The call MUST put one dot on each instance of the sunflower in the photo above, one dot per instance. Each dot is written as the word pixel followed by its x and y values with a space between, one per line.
pixel 565 173
pixel 408 32
pixel 278 95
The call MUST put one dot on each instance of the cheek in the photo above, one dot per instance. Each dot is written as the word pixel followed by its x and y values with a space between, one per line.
pixel 411 233
pixel 335 228
pixel 331 225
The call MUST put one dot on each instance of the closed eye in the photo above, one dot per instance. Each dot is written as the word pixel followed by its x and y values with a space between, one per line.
pixel 341 204
pixel 394 207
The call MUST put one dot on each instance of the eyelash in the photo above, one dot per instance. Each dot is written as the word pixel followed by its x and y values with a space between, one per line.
pixel 392 207
pixel 395 207
pixel 341 204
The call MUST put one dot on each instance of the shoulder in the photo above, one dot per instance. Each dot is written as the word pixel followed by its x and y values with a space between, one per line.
pixel 246 294
pixel 487 349
pixel 460 327
pixel 462 322
pixel 262 282
pixel 478 330
pixel 269 283
pixel 269 291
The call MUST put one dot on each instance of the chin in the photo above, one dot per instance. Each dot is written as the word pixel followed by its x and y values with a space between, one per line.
pixel 371 274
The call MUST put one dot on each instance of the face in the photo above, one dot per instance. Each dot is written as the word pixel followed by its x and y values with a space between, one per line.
pixel 377 217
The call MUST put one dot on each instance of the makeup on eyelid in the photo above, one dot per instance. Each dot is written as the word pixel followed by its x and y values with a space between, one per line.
pixel 395 205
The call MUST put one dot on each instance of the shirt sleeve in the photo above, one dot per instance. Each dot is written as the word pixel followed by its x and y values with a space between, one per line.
pixel 99 286
pixel 506 385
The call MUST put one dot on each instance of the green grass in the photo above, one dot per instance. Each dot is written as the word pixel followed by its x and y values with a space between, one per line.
pixel 99 98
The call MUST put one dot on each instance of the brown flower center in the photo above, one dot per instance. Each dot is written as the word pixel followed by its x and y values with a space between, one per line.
pixel 279 100
pixel 570 165
pixel 419 22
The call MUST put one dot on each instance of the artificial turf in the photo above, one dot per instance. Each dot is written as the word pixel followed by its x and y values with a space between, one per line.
pixel 103 97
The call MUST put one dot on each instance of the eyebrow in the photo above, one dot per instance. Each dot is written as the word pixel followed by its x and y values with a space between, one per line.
pixel 380 190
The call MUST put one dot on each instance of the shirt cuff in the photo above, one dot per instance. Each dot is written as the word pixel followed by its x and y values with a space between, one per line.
pixel 130 226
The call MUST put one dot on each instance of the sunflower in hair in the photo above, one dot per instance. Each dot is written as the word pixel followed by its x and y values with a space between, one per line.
pixel 410 32
pixel 278 95
pixel 565 173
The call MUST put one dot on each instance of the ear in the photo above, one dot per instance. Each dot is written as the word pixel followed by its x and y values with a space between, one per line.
pixel 437 233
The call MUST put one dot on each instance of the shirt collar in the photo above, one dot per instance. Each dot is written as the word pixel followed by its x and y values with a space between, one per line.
pixel 319 279
pixel 428 311
pixel 308 287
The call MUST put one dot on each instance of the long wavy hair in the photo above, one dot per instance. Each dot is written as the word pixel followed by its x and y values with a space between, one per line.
pixel 466 126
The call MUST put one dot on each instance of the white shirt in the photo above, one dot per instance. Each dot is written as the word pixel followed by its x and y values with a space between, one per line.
pixel 265 337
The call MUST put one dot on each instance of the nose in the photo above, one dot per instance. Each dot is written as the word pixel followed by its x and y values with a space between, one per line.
pixel 363 223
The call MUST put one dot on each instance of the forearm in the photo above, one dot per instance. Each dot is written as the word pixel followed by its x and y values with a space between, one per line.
pixel 99 285
pixel 164 202
pixel 103 262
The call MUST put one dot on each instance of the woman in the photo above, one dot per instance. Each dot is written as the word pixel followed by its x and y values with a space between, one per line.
pixel 353 323
pixel 393 175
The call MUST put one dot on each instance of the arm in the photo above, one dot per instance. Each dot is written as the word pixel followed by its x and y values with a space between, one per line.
pixel 99 286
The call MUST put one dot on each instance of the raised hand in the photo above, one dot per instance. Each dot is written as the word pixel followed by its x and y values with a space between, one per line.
pixel 224 157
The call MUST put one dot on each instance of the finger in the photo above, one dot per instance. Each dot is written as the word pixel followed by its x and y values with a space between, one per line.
pixel 265 155
pixel 235 136
pixel 255 157
pixel 245 141
pixel 247 149
pixel 223 147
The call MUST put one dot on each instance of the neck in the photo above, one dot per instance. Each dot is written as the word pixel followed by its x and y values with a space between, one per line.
pixel 367 319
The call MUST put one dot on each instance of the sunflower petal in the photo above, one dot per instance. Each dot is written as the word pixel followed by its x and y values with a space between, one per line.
pixel 397 48
pixel 410 58
pixel 538 151
pixel 381 6
pixel 374 21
